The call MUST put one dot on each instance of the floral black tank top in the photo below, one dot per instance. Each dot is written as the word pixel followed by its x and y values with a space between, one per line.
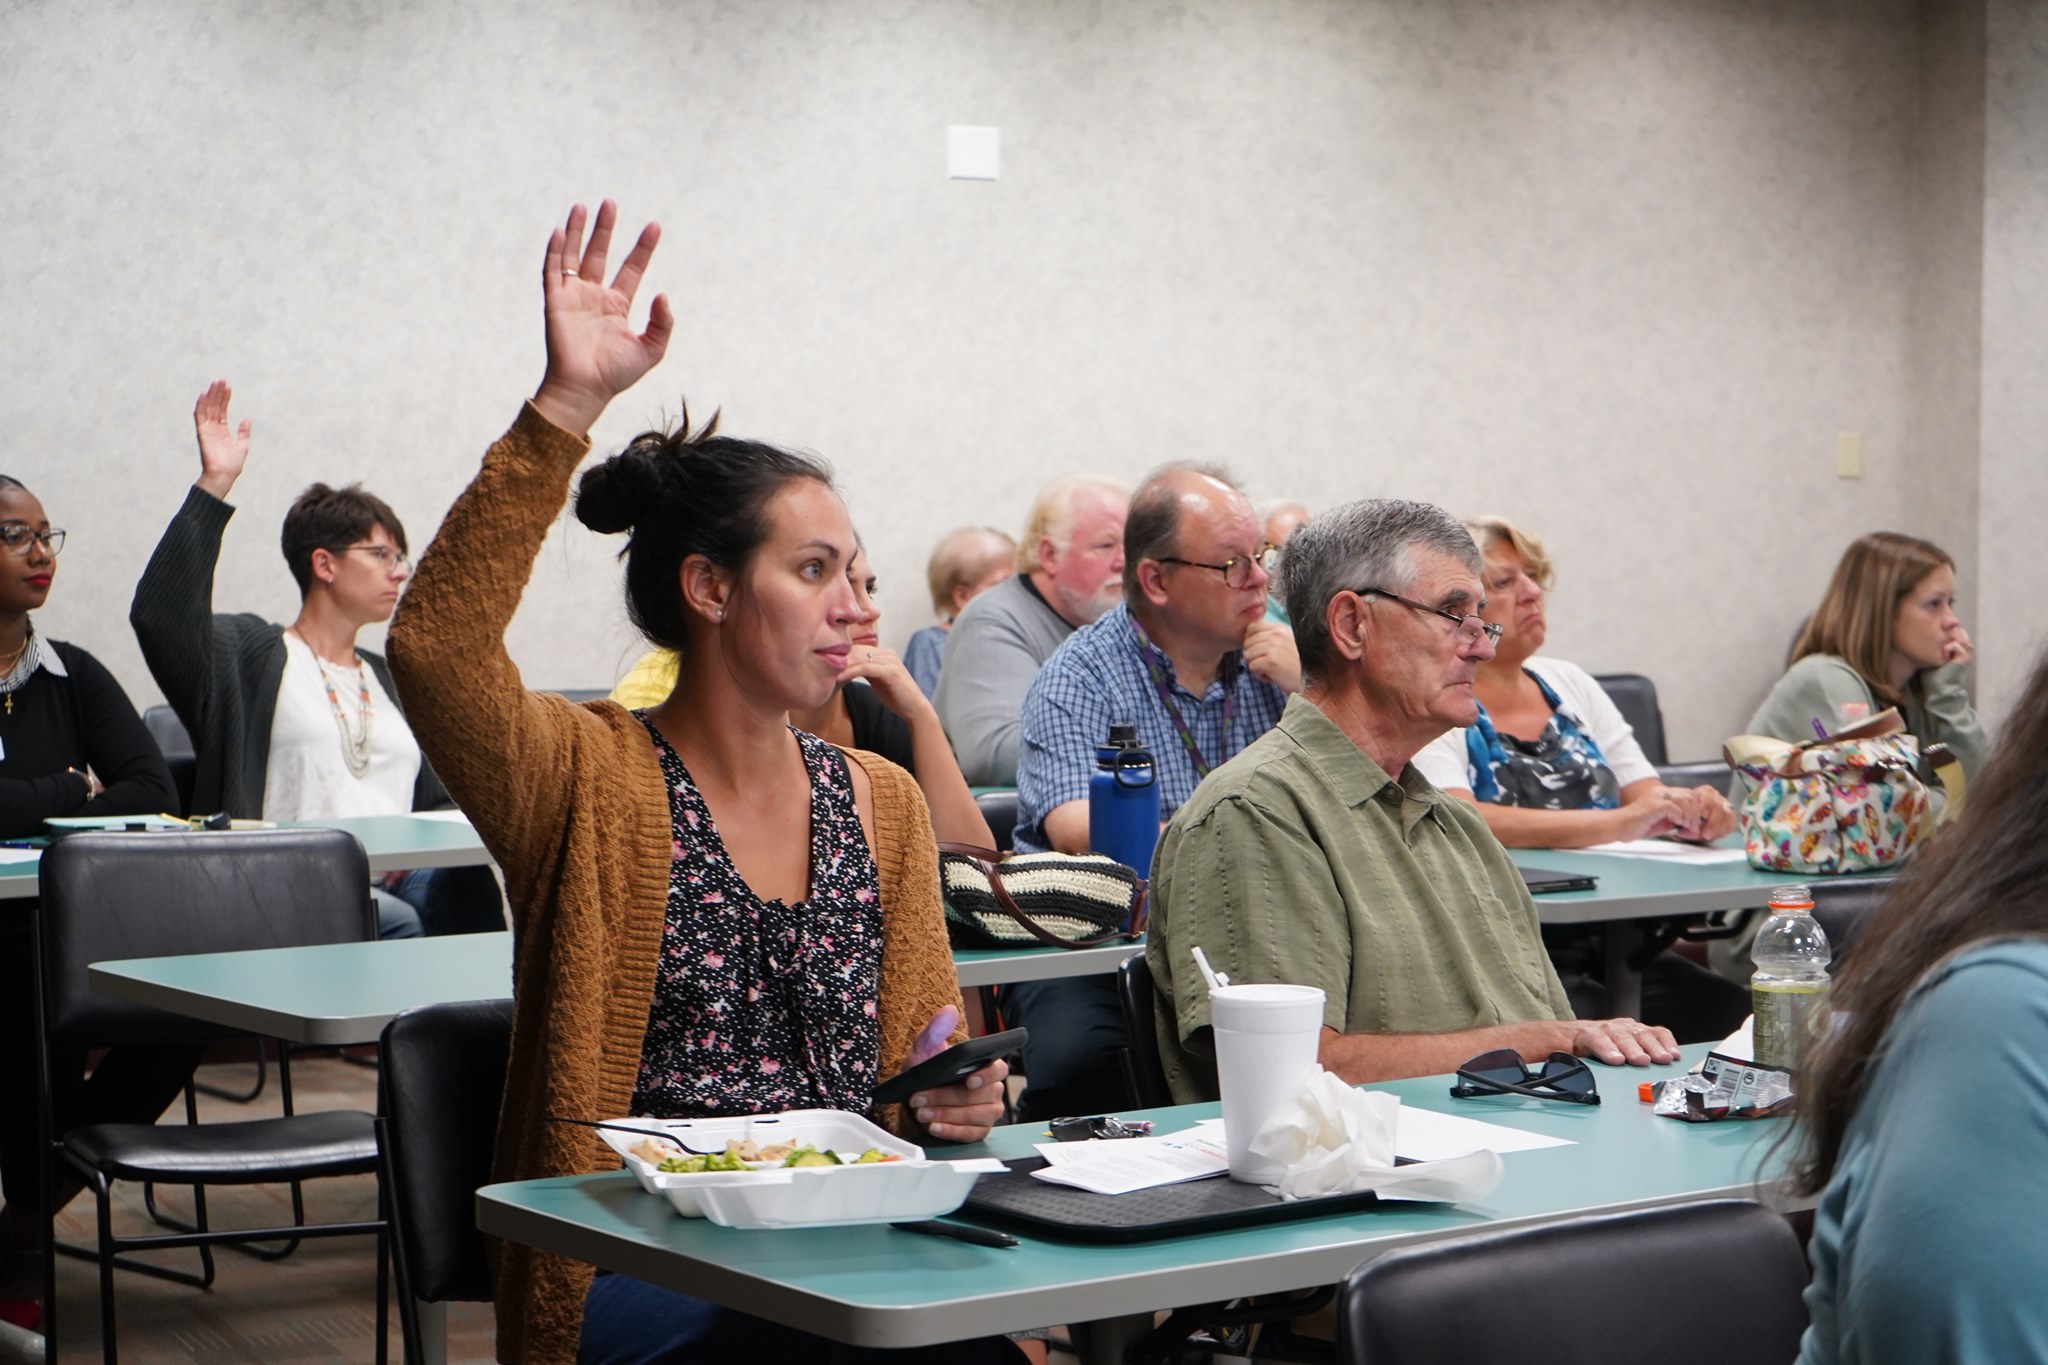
pixel 762 1006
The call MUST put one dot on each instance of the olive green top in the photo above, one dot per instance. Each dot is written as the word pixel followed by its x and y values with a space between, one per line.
pixel 1301 861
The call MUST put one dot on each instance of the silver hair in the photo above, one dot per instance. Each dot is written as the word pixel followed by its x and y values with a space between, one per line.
pixel 1369 543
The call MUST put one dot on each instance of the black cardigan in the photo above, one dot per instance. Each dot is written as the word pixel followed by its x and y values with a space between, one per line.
pixel 81 721
pixel 221 673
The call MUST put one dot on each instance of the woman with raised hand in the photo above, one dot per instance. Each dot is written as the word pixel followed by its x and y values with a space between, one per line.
pixel 661 864
pixel 1885 634
pixel 1923 1107
pixel 297 722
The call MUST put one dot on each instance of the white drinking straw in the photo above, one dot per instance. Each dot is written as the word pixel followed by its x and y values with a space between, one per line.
pixel 1214 978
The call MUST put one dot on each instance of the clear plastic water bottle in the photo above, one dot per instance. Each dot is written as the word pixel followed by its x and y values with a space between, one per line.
pixel 1792 955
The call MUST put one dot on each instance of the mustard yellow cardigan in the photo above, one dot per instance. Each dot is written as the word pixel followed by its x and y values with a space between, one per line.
pixel 571 803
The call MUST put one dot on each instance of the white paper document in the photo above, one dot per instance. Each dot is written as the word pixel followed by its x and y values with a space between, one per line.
pixel 1668 851
pixel 19 855
pixel 1425 1135
pixel 446 817
pixel 1121 1165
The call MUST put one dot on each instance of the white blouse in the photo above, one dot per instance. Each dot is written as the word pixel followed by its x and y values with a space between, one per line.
pixel 308 774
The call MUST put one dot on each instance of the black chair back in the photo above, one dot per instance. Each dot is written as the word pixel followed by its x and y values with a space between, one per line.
pixel 1142 1066
pixel 999 808
pixel 1475 1300
pixel 441 1081
pixel 1635 696
pixel 1842 906
pixel 169 732
pixel 110 896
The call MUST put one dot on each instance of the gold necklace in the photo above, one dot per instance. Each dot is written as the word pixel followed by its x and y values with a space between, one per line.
pixel 28 636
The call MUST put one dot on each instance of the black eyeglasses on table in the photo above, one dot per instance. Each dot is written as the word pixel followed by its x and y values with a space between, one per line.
pixel 1503 1072
pixel 1236 570
pixel 1471 626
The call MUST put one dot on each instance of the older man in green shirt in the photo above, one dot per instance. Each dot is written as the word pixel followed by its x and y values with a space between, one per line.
pixel 1319 856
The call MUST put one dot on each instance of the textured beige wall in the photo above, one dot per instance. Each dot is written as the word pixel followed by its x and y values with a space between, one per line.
pixel 1620 270
pixel 2014 472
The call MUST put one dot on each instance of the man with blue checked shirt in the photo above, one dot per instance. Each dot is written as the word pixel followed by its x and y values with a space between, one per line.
pixel 1187 659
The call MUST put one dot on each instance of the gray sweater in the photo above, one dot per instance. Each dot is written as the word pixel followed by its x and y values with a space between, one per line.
pixel 999 643
pixel 1938 709
pixel 220 673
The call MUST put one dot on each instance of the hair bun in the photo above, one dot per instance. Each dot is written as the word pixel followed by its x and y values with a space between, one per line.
pixel 612 495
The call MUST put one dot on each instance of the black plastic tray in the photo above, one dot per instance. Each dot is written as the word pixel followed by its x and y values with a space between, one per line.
pixel 1017 1200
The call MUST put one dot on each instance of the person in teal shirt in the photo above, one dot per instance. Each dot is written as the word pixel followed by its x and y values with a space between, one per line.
pixel 1924 1112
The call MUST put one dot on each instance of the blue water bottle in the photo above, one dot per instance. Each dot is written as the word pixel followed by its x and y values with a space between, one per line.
pixel 1123 800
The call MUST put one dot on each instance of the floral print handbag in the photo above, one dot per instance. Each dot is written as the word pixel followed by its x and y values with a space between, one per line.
pixel 1850 802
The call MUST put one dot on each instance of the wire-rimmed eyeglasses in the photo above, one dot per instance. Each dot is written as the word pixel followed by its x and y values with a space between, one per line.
pixel 1236 570
pixel 387 557
pixel 1471 627
pixel 17 536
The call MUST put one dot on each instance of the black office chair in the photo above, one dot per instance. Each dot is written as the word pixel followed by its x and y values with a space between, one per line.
pixel 1144 1073
pixel 1635 696
pixel 176 745
pixel 1709 773
pixel 439 1087
pixel 1842 906
pixel 999 808
pixel 112 896
pixel 1507 1297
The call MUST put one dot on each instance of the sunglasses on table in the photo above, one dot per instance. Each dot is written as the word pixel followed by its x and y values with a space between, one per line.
pixel 1560 1077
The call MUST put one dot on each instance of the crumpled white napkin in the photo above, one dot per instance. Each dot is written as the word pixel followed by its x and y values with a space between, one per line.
pixel 1333 1139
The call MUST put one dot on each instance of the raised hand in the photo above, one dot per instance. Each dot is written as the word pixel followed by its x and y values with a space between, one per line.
pixel 222 452
pixel 593 353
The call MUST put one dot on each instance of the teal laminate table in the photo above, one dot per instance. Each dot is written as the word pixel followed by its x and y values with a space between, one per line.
pixel 874 1286
pixel 394 843
pixel 336 993
pixel 1632 890
pixel 326 995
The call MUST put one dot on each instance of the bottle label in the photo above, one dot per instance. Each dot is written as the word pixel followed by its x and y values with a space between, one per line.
pixel 1784 1014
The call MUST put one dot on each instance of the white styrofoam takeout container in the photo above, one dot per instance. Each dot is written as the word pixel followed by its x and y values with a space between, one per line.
pixel 826 1129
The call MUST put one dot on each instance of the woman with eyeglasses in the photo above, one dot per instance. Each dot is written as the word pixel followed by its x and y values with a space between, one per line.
pixel 1550 763
pixel 1885 634
pixel 70 741
pixel 717 913
pixel 1923 1104
pixel 70 744
pixel 294 722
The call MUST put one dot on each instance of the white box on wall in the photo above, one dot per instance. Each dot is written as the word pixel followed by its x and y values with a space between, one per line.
pixel 973 153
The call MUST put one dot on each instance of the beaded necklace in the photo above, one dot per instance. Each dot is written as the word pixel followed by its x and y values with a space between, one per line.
pixel 355 748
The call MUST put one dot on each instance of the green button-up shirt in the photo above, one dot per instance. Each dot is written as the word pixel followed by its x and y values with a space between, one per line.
pixel 1301 861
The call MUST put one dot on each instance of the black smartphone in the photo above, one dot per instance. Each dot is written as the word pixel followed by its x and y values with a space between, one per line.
pixel 956 1063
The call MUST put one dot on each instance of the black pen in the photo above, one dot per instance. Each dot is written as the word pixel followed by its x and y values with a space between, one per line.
pixel 980 1237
